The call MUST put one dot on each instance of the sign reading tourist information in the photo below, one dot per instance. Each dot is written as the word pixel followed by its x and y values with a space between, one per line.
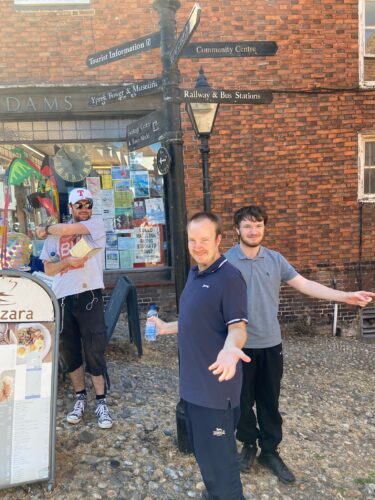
pixel 145 131
pixel 227 96
pixel 229 49
pixel 125 92
pixel 185 35
pixel 124 50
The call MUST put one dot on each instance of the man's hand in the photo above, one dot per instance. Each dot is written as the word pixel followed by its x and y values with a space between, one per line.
pixel 361 298
pixel 225 364
pixel 40 232
pixel 164 327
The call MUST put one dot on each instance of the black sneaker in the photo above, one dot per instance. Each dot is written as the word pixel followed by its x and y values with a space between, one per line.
pixel 274 463
pixel 103 415
pixel 247 456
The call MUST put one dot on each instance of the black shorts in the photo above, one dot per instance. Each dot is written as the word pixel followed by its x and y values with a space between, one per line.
pixel 84 327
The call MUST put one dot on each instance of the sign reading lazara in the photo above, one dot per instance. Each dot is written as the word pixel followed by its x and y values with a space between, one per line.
pixel 129 91
pixel 185 35
pixel 229 49
pixel 227 96
pixel 127 49
pixel 145 131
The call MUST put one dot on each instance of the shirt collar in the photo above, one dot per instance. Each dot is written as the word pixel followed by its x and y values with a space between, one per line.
pixel 213 267
pixel 242 256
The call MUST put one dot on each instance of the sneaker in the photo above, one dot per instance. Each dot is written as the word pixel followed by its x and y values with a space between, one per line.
pixel 247 456
pixel 75 416
pixel 102 414
pixel 274 463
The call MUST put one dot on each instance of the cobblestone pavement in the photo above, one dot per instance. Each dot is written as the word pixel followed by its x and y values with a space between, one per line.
pixel 327 404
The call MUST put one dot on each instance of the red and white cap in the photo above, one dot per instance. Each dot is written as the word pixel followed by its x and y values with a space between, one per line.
pixel 79 194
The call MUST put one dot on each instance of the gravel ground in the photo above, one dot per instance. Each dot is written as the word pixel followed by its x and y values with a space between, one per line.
pixel 327 404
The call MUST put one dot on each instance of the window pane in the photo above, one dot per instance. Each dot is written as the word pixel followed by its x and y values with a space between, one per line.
pixel 369 154
pixel 370 42
pixel 370 14
pixel 369 181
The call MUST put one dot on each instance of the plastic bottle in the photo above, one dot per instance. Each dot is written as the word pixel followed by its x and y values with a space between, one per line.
pixel 53 257
pixel 150 330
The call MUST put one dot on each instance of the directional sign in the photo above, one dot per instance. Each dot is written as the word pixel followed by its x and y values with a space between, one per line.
pixel 185 35
pixel 127 49
pixel 228 96
pixel 163 161
pixel 125 92
pixel 229 49
pixel 145 131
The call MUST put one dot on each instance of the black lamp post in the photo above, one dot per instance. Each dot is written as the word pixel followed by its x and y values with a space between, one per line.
pixel 202 116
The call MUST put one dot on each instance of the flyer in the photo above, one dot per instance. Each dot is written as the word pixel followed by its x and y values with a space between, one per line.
pixel 155 210
pixel 140 180
pixel 108 203
pixel 111 240
pixel 112 259
pixel 148 244
pixel 139 210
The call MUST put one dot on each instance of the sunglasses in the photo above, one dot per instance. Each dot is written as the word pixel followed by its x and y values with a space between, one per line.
pixel 83 204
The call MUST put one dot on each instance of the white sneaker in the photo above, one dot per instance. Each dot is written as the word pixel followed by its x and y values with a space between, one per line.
pixel 103 416
pixel 75 416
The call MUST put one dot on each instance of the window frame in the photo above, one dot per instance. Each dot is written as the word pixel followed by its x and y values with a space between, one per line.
pixel 363 138
pixel 362 46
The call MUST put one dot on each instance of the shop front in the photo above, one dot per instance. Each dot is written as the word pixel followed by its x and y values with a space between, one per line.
pixel 52 140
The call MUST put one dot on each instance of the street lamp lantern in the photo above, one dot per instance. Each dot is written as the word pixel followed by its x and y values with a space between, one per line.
pixel 202 116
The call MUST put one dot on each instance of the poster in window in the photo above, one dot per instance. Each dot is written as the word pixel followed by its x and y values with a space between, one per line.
pixel 155 211
pixel 112 259
pixel 111 240
pixel 108 203
pixel 148 250
pixel 139 210
pixel 93 185
pixel 141 185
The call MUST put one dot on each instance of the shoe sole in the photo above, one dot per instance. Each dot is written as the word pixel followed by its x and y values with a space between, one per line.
pixel 105 426
pixel 73 422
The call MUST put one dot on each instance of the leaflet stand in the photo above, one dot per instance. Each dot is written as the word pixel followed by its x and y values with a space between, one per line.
pixel 29 329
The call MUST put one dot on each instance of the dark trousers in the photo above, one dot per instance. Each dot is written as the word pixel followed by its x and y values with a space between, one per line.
pixel 212 436
pixel 83 326
pixel 261 385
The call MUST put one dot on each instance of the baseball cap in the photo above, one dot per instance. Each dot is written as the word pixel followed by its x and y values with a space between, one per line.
pixel 79 194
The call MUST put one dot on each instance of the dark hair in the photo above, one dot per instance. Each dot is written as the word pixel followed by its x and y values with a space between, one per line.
pixel 251 212
pixel 215 219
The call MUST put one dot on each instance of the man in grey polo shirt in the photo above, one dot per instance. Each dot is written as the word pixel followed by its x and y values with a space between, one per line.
pixel 264 270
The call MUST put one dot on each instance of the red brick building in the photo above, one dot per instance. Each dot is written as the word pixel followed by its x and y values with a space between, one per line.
pixel 309 156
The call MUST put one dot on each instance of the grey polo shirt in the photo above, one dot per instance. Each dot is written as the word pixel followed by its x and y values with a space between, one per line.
pixel 263 276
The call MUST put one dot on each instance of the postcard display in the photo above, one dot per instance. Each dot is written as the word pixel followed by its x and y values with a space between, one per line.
pixel 131 204
pixel 29 325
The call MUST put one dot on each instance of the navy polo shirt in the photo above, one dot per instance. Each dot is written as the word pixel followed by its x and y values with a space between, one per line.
pixel 211 300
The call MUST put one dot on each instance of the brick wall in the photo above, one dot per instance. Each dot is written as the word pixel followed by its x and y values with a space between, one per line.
pixel 298 155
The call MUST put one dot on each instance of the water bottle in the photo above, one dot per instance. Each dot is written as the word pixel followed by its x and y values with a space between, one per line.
pixel 53 257
pixel 150 330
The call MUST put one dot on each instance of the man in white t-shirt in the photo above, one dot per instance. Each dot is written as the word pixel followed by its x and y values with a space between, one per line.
pixel 77 284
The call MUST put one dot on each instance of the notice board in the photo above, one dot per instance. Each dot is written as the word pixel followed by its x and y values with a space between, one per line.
pixel 29 325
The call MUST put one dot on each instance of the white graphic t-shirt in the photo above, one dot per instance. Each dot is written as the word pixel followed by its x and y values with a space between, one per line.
pixel 74 280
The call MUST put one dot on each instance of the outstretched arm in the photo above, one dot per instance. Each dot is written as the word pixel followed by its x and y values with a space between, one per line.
pixel 314 289
pixel 61 230
pixel 164 327
pixel 231 353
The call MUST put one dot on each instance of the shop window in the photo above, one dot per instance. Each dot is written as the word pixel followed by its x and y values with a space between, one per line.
pixel 367 44
pixel 127 189
pixel 366 188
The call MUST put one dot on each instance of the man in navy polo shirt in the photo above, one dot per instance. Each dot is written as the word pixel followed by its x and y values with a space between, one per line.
pixel 264 270
pixel 211 332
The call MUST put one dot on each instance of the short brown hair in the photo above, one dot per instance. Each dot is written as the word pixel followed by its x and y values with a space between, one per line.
pixel 250 212
pixel 215 219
